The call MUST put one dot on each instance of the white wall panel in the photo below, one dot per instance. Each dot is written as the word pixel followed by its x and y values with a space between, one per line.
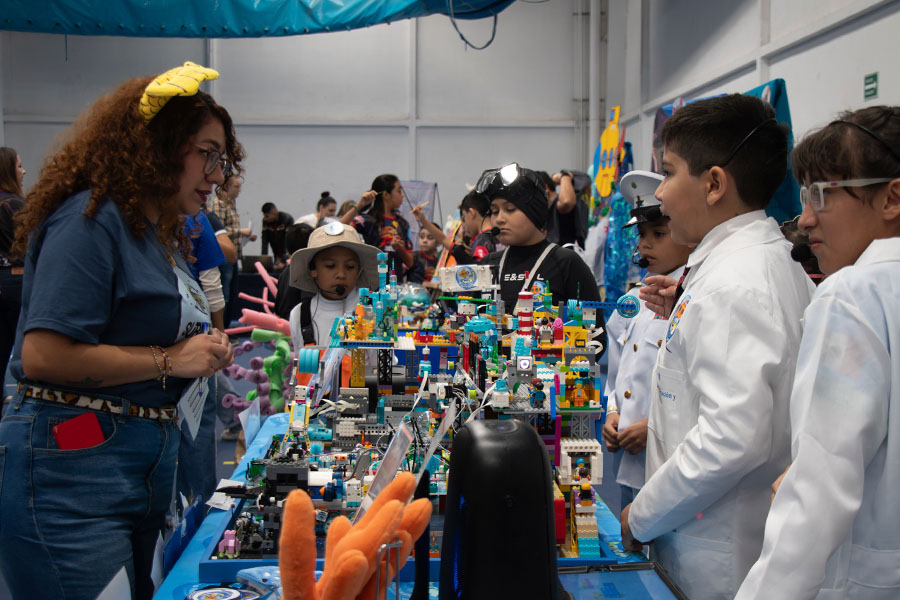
pixel 527 73
pixel 32 142
pixel 355 75
pixel 618 44
pixel 40 77
pixel 453 157
pixel 291 166
pixel 826 75
pixel 331 111
pixel 789 17
pixel 821 48
pixel 690 38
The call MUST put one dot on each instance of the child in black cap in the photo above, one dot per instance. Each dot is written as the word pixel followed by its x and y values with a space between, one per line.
pixel 519 214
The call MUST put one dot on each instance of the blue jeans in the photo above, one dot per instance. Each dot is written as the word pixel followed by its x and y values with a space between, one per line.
pixel 71 519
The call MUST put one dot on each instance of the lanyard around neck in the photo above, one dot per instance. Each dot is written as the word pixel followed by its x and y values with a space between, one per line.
pixel 537 265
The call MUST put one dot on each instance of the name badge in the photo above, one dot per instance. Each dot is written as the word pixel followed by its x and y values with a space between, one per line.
pixel 190 406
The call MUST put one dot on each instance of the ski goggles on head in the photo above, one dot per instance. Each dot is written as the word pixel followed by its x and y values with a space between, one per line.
pixel 493 180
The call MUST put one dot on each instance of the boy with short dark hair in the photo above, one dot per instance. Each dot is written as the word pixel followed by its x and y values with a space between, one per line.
pixel 719 425
pixel 426 257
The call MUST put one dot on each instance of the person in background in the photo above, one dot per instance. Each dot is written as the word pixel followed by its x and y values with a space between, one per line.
pixel 567 221
pixel 383 226
pixel 208 257
pixel 12 175
pixel 222 385
pixel 196 474
pixel 832 530
pixel 107 343
pixel 229 251
pixel 325 208
pixel 475 213
pixel 345 208
pixel 426 257
pixel 296 238
pixel 275 224
pixel 223 205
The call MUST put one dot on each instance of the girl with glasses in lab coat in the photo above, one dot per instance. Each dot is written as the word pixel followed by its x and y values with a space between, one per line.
pixel 833 531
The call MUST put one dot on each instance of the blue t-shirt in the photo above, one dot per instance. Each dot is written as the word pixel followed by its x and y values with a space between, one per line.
pixel 206 247
pixel 92 280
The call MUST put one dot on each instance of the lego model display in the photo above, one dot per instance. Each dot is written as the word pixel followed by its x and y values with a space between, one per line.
pixel 398 381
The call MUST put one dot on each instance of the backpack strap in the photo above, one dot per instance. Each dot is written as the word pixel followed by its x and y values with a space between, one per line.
pixel 306 326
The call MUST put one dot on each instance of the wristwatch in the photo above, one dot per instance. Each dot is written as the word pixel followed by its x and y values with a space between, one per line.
pixel 565 174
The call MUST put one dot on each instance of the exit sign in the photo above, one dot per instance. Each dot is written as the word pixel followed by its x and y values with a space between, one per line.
pixel 870 87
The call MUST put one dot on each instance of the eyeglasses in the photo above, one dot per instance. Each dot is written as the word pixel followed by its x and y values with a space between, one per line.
pixel 814 194
pixel 213 158
pixel 488 183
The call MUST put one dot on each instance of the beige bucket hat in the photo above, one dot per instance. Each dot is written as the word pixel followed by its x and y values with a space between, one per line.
pixel 327 236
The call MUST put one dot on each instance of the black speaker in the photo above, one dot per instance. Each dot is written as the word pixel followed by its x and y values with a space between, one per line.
pixel 499 538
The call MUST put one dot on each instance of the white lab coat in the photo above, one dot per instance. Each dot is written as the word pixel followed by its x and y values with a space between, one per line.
pixel 633 346
pixel 834 528
pixel 719 431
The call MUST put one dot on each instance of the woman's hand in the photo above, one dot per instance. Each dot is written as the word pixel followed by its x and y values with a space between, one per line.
pixel 201 355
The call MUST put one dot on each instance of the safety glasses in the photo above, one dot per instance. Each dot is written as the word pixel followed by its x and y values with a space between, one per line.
pixel 492 180
pixel 213 158
pixel 814 194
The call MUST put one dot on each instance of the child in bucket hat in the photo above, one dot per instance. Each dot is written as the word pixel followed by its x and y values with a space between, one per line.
pixel 333 266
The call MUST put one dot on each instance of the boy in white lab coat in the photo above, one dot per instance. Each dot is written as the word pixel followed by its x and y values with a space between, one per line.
pixel 635 342
pixel 833 530
pixel 718 432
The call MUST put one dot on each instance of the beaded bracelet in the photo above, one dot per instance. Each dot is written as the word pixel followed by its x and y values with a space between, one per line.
pixel 167 365
pixel 161 369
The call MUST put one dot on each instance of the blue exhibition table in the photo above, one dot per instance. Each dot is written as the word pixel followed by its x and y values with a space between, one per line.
pixel 185 574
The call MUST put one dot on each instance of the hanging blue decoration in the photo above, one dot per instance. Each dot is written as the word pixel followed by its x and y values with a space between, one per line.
pixel 620 244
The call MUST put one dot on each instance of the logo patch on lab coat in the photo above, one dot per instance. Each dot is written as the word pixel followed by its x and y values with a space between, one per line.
pixel 679 312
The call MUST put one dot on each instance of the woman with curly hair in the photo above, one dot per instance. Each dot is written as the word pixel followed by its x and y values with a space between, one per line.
pixel 106 346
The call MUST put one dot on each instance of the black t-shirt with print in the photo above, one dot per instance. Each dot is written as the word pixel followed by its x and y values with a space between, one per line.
pixel 563 271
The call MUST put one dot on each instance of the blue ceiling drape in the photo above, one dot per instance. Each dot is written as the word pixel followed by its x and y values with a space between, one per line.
pixel 224 18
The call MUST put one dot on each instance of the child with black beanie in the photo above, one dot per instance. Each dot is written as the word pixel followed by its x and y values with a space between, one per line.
pixel 519 214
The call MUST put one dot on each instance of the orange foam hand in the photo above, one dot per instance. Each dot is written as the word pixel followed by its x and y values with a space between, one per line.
pixel 351 550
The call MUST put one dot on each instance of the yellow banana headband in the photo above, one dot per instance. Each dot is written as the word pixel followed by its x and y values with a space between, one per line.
pixel 180 81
